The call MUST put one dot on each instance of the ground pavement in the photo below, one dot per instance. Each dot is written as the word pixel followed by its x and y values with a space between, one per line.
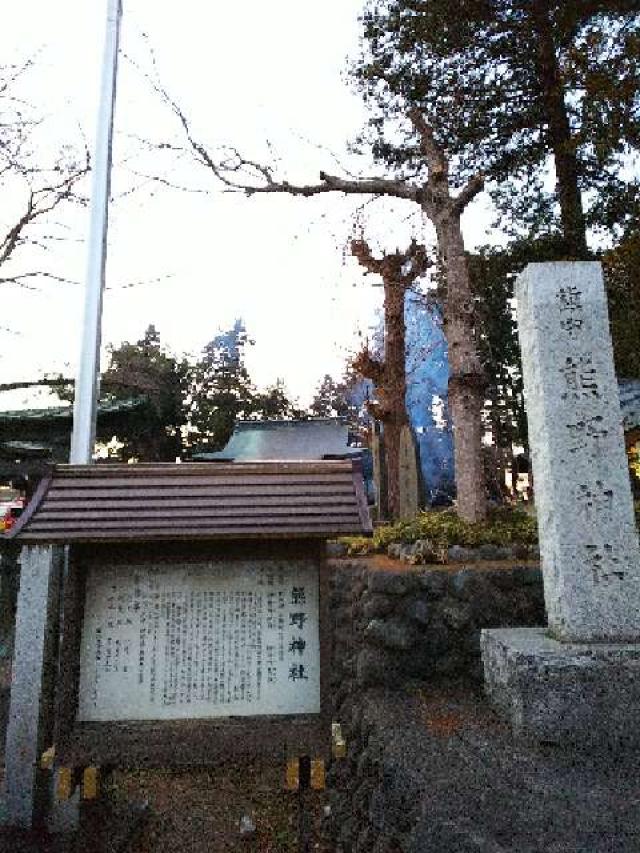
pixel 472 789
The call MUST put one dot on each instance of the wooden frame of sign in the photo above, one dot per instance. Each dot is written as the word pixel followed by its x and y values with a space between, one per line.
pixel 192 616
pixel 182 741
pixel 186 569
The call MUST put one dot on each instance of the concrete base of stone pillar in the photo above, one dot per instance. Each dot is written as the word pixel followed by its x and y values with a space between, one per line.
pixel 566 693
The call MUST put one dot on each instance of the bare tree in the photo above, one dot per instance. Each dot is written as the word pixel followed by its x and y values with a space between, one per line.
pixel 398 271
pixel 31 185
pixel 434 197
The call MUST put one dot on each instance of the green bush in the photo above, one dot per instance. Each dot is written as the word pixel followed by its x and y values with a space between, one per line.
pixel 444 528
pixel 504 526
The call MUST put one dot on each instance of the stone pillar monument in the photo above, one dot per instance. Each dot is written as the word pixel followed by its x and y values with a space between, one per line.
pixel 579 679
pixel 409 479
pixel 30 712
pixel 379 473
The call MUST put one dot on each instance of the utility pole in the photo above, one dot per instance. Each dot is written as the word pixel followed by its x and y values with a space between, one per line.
pixel 87 380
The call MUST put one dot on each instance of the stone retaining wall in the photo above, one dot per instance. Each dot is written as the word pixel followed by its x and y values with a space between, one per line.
pixel 395 628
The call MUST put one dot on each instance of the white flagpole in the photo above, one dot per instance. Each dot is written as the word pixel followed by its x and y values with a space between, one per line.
pixel 88 374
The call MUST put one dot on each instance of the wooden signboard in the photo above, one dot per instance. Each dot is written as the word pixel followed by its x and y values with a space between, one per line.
pixel 194 619
pixel 185 655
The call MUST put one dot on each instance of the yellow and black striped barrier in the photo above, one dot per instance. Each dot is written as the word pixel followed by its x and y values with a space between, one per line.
pixel 66 779
pixel 303 773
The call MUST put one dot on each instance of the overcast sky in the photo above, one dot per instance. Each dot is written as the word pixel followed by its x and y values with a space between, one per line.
pixel 247 74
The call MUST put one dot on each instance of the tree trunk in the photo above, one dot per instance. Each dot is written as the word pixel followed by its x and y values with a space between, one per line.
pixel 395 387
pixel 466 376
pixel 502 452
pixel 560 138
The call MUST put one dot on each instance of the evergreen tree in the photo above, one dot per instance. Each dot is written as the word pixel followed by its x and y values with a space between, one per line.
pixel 146 370
pixel 330 399
pixel 622 279
pixel 505 84
pixel 274 404
pixel 221 390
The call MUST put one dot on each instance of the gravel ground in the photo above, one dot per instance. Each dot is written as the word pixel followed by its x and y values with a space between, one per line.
pixel 189 811
pixel 200 811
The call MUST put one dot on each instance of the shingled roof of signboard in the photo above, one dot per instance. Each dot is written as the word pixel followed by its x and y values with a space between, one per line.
pixel 152 501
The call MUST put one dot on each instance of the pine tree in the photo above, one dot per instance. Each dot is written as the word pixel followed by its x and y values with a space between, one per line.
pixel 505 84
pixel 274 404
pixel 622 279
pixel 145 369
pixel 221 390
pixel 330 399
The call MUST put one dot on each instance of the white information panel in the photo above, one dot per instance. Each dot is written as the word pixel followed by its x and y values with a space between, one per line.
pixel 200 640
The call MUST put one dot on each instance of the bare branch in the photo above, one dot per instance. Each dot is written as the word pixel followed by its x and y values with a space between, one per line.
pixel 398 269
pixel 20 278
pixel 326 150
pixel 241 174
pixel 47 383
pixel 41 201
pixel 9 242
pixel 468 193
pixel 372 186
pixel 361 251
pixel 143 281
pixel 156 179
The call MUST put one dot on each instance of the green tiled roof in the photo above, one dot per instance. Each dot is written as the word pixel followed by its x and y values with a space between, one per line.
pixel 66 412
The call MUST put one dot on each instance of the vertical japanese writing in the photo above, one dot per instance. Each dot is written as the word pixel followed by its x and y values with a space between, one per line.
pixel 190 645
pixel 580 379
pixel 604 561
pixel 569 301
pixel 586 432
pixel 298 665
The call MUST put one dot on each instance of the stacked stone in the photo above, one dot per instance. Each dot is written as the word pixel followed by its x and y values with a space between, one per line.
pixel 424 551
pixel 347 586
pixel 390 628
pixel 421 623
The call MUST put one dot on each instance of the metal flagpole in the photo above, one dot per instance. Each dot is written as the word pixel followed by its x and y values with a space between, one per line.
pixel 87 378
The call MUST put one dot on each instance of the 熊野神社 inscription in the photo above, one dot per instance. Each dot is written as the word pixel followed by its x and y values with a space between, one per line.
pixel 200 640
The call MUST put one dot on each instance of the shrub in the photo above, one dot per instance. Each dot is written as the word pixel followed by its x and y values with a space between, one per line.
pixel 445 528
